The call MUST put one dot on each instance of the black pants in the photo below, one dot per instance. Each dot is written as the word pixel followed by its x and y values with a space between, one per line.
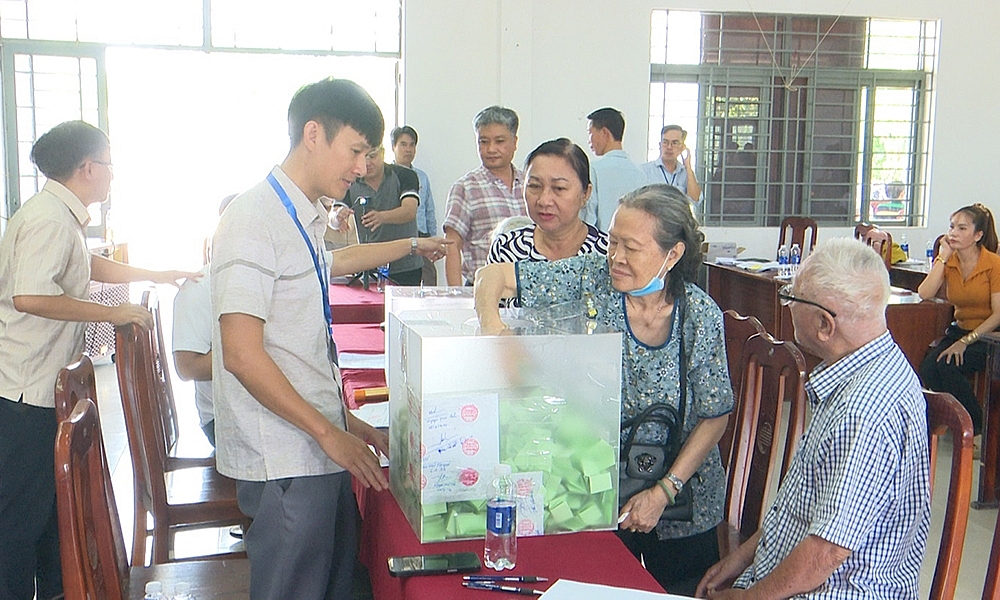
pixel 677 564
pixel 29 524
pixel 949 377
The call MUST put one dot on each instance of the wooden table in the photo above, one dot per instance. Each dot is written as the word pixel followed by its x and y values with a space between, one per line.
pixel 908 276
pixel 914 324
pixel 209 579
pixel 350 304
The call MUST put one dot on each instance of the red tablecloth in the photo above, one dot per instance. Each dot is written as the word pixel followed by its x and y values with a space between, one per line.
pixel 359 338
pixel 356 379
pixel 591 557
pixel 356 304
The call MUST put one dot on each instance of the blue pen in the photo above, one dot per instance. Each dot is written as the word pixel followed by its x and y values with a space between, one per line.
pixel 490 587
pixel 499 578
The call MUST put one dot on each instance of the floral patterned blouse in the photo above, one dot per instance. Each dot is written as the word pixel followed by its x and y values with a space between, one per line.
pixel 651 373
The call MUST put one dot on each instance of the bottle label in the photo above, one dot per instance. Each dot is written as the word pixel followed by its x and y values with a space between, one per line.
pixel 500 519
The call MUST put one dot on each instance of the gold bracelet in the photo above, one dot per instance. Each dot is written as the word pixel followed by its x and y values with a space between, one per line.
pixel 666 490
pixel 940 260
pixel 970 338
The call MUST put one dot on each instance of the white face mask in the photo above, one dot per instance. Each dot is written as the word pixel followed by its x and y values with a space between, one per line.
pixel 655 284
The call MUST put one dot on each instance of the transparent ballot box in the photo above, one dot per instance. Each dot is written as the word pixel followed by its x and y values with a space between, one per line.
pixel 399 298
pixel 542 400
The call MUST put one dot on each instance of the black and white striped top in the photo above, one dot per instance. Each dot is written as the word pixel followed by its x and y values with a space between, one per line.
pixel 519 245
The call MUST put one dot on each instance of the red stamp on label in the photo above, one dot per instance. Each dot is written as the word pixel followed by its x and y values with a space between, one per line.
pixel 524 486
pixel 468 477
pixel 470 412
pixel 423 481
pixel 423 450
pixel 470 446
pixel 525 527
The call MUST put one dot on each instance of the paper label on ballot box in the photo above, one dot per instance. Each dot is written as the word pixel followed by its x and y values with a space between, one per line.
pixel 461 445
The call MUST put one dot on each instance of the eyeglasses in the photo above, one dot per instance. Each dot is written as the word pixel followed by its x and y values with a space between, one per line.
pixel 106 164
pixel 786 297
pixel 673 143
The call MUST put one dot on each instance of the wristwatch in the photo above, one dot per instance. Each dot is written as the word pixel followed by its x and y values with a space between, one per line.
pixel 678 484
pixel 413 246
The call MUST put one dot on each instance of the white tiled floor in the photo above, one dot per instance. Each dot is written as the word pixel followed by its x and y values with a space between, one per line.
pixel 978 540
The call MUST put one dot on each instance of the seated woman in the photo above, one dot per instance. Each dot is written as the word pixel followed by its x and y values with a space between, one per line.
pixel 653 257
pixel 969 268
pixel 557 185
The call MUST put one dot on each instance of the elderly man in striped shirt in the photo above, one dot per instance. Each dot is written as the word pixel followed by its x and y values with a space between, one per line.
pixel 851 516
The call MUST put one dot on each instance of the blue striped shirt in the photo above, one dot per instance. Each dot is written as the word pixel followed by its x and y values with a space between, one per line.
pixel 859 478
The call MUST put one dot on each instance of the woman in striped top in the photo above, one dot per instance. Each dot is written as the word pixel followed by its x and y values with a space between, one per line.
pixel 557 185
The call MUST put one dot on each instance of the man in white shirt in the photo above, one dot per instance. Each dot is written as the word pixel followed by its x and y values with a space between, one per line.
pixel 404 149
pixel 673 167
pixel 45 274
pixel 280 423
pixel 613 174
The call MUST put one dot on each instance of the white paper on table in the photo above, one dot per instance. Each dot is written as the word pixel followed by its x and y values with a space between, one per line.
pixel 461 446
pixel 355 360
pixel 565 589
pixel 530 503
pixel 376 414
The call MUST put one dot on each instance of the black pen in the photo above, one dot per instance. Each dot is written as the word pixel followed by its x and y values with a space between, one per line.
pixel 490 587
pixel 498 578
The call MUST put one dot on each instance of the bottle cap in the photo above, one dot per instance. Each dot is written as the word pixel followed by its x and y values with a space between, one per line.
pixel 154 587
pixel 501 469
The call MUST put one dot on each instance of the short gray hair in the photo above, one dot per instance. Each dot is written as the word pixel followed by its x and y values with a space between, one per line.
pixel 496 115
pixel 847 274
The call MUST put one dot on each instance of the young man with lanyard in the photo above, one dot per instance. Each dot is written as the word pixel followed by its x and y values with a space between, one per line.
pixel 281 427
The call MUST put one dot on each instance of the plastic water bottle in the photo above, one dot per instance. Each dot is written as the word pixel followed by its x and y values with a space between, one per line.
pixel 795 257
pixel 783 261
pixel 382 275
pixel 183 591
pixel 904 245
pixel 501 514
pixel 930 253
pixel 154 591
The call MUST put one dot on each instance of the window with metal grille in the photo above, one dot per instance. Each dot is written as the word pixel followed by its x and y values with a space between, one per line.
pixel 798 115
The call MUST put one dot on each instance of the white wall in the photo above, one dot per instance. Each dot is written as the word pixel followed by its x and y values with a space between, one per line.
pixel 554 61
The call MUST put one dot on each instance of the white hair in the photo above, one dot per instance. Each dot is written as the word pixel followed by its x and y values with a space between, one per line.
pixel 510 224
pixel 847 276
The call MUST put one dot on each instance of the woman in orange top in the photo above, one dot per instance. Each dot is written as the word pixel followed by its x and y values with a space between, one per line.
pixel 969 268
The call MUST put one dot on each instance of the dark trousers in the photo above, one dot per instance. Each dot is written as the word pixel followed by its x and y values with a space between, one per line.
pixel 209 430
pixel 411 277
pixel 303 542
pixel 29 524
pixel 954 379
pixel 677 564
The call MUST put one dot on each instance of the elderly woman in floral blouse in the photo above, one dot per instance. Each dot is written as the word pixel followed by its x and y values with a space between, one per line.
pixel 638 288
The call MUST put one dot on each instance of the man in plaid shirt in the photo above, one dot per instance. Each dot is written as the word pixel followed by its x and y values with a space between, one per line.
pixel 483 197
pixel 852 514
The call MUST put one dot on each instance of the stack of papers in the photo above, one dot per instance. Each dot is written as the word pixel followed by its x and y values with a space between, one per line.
pixel 565 589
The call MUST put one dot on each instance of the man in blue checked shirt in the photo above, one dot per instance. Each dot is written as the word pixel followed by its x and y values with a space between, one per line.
pixel 851 516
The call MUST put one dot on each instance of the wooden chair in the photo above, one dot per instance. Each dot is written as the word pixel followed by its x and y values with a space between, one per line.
pixel 794 230
pixel 774 373
pixel 178 492
pixel 862 229
pixel 91 544
pixel 881 242
pixel 737 330
pixel 992 589
pixel 74 383
pixel 945 413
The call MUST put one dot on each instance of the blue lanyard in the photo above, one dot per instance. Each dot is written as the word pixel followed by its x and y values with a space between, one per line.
pixel 320 270
pixel 673 176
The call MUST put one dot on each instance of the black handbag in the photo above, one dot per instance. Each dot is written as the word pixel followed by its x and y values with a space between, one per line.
pixel 643 464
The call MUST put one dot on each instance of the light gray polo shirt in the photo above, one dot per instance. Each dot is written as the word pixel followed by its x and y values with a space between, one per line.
pixel 262 267
pixel 42 253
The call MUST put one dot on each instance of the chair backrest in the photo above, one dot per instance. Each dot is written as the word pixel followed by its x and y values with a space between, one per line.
pixel 738 330
pixel 796 230
pixel 937 244
pixel 161 372
pixel 146 436
pixel 862 229
pixel 992 589
pixel 946 414
pixel 774 373
pixel 90 538
pixel 74 383
pixel 881 242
